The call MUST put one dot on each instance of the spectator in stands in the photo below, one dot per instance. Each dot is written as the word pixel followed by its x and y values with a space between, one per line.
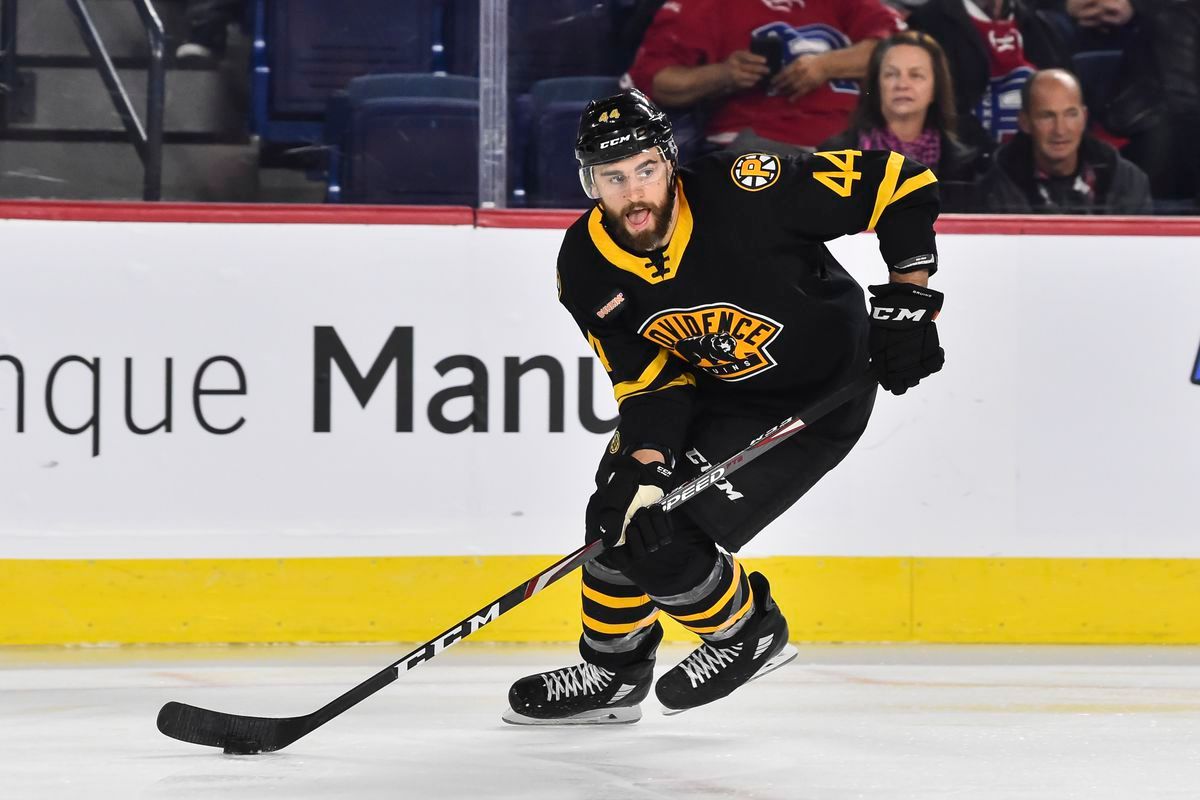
pixel 907 105
pixel 1155 99
pixel 993 46
pixel 208 23
pixel 699 52
pixel 1100 15
pixel 1053 166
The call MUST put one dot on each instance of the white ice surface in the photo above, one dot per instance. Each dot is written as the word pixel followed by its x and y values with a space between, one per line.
pixel 984 723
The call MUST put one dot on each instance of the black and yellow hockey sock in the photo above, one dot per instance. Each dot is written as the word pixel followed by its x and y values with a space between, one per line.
pixel 620 623
pixel 718 607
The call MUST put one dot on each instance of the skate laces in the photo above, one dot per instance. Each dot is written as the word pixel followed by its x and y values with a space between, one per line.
pixel 583 678
pixel 707 661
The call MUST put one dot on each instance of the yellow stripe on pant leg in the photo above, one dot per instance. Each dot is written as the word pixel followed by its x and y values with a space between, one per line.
pixel 616 628
pixel 741 612
pixel 721 601
pixel 611 601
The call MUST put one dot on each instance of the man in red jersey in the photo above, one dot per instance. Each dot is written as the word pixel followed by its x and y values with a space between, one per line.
pixel 992 48
pixel 699 52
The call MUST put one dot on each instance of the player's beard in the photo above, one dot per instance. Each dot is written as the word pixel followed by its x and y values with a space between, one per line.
pixel 652 237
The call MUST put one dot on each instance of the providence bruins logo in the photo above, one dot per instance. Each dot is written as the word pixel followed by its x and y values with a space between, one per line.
pixel 719 348
pixel 755 171
pixel 720 339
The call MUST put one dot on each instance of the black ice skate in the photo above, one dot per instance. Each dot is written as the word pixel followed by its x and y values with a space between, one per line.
pixel 582 694
pixel 713 671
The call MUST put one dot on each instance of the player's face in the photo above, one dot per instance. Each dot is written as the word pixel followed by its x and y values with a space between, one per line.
pixel 1055 120
pixel 906 82
pixel 635 198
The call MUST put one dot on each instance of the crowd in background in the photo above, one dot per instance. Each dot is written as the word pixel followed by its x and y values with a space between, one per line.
pixel 1058 106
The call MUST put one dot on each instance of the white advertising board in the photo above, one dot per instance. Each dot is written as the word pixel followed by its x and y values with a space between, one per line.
pixel 1064 423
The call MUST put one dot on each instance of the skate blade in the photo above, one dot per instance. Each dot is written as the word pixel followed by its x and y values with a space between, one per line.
pixel 784 656
pixel 601 716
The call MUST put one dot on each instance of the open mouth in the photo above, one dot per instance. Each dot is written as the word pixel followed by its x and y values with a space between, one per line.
pixel 638 218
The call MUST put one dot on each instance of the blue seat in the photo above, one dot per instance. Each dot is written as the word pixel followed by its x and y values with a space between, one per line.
pixel 305 50
pixel 559 38
pixel 551 171
pixel 546 39
pixel 1096 70
pixel 405 139
pixel 461 24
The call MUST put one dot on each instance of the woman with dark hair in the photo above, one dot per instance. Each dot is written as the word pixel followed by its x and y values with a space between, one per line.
pixel 907 105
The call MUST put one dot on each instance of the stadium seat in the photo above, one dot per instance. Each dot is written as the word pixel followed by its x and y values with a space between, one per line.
pixel 305 50
pixel 546 39
pixel 405 139
pixel 1096 71
pixel 552 179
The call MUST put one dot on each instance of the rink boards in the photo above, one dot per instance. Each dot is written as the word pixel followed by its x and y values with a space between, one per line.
pixel 1040 489
pixel 405 599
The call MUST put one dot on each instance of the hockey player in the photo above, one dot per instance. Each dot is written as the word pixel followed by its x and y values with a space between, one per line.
pixel 708 295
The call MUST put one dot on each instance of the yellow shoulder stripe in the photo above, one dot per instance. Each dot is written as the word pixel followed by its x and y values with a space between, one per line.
pixel 887 187
pixel 888 193
pixel 912 184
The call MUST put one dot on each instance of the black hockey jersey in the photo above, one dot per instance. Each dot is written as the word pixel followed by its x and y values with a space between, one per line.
pixel 745 307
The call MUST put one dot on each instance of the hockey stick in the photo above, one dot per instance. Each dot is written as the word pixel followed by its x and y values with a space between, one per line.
pixel 241 734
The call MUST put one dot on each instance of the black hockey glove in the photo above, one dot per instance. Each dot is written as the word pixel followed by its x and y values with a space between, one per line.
pixel 649 529
pixel 617 512
pixel 904 339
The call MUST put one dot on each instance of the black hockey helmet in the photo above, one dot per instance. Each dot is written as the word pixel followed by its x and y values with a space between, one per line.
pixel 617 127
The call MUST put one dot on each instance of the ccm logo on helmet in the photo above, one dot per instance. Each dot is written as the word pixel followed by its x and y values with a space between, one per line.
pixel 616 141
pixel 898 314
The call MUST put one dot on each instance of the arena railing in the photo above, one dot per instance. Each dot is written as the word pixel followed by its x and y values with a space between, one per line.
pixel 8 56
pixel 147 139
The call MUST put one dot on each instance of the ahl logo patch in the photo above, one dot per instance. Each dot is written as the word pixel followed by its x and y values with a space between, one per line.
pixel 720 339
pixel 755 171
